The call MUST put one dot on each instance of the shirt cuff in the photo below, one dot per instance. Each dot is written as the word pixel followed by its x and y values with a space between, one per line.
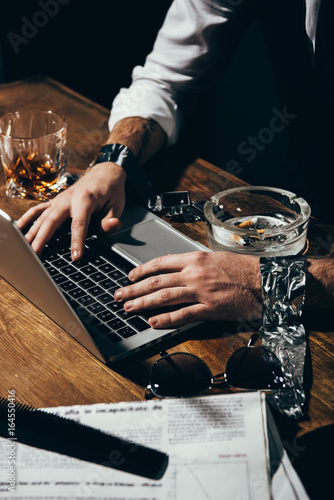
pixel 148 99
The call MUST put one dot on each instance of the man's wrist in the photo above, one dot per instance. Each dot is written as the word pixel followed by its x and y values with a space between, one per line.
pixel 121 155
pixel 116 153
pixel 143 136
pixel 320 284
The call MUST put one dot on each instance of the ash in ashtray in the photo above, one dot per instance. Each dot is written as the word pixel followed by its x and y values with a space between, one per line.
pixel 261 222
pixel 260 225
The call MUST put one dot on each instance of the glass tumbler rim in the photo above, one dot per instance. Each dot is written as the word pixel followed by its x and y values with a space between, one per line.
pixel 62 127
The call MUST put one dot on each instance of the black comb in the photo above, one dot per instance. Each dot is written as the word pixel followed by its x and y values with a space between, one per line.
pixel 50 432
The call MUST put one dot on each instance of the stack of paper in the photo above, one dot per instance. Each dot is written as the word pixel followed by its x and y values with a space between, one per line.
pixel 218 449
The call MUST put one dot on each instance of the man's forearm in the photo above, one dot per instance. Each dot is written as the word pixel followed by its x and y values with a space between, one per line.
pixel 144 137
pixel 320 284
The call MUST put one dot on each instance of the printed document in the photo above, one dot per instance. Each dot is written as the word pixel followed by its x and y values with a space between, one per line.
pixel 217 447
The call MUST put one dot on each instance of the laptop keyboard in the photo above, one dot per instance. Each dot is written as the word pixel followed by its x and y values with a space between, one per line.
pixel 89 286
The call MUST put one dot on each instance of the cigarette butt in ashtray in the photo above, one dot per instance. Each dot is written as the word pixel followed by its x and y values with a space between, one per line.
pixel 238 239
pixel 242 225
pixel 246 223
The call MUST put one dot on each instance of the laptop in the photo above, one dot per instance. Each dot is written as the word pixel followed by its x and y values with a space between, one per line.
pixel 79 296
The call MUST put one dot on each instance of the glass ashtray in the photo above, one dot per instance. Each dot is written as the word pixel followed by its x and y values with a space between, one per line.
pixel 257 220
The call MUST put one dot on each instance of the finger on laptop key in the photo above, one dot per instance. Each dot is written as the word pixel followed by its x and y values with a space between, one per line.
pixel 79 230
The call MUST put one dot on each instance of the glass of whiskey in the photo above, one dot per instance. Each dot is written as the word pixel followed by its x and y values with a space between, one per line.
pixel 33 153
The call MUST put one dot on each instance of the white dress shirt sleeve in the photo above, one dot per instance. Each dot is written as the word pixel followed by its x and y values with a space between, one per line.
pixel 189 44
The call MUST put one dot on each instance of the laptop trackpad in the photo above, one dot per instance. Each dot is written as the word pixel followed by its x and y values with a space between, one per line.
pixel 152 238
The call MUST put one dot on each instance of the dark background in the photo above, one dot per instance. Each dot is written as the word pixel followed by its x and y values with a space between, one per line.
pixel 93 46
pixel 89 46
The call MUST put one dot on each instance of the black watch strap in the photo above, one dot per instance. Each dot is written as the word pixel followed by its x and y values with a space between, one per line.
pixel 123 156
pixel 174 203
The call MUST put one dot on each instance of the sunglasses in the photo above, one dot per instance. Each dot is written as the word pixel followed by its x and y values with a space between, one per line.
pixel 183 375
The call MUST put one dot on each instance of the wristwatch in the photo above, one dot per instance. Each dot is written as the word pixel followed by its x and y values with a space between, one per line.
pixel 123 156
pixel 170 203
pixel 116 153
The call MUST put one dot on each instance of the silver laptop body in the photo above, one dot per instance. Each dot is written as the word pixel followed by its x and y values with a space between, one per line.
pixel 142 237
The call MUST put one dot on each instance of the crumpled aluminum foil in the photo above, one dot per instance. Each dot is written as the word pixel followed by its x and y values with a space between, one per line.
pixel 283 290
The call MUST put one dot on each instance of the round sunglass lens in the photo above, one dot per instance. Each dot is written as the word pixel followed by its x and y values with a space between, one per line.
pixel 179 375
pixel 254 368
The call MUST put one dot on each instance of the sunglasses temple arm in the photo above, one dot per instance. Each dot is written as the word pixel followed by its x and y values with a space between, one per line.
pixel 253 339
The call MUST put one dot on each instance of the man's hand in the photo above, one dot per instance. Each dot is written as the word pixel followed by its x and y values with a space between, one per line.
pixel 213 285
pixel 101 189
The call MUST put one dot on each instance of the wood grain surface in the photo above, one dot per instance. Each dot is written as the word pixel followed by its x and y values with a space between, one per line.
pixel 46 367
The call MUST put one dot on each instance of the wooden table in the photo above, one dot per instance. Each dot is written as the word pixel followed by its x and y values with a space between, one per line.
pixel 46 367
